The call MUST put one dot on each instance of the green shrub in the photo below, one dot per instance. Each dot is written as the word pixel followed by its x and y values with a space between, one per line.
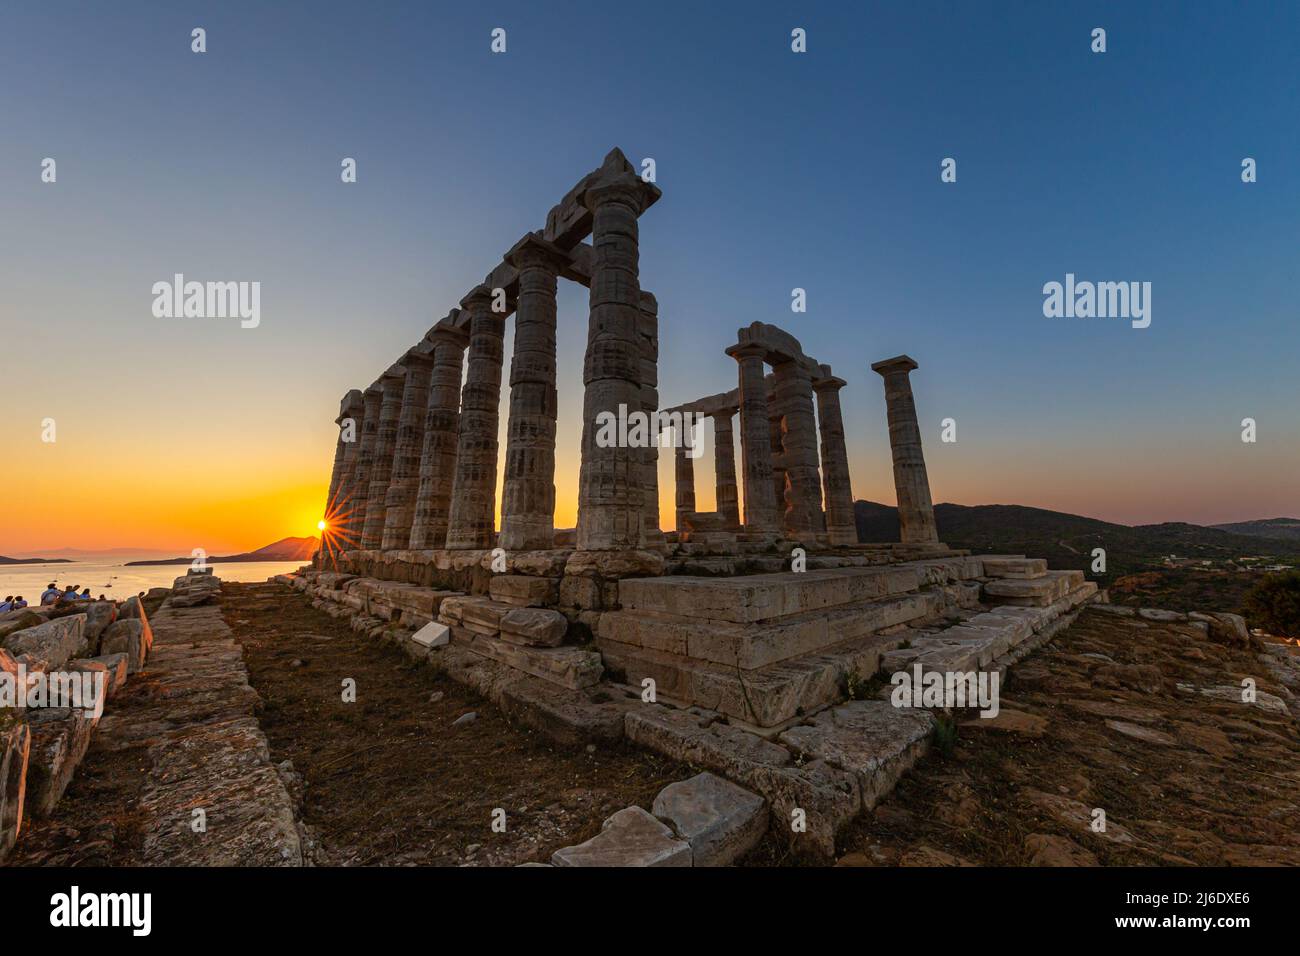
pixel 1274 604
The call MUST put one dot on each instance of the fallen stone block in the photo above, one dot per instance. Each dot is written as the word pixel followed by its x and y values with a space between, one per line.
pixel 15 748
pixel 115 670
pixel 19 620
pixel 630 837
pixel 56 641
pixel 60 736
pixel 127 637
pixel 535 626
pixel 720 820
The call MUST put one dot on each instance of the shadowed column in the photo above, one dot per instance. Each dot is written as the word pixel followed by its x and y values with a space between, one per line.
pixel 472 519
pixel 355 521
pixel 794 405
pixel 755 439
pixel 345 457
pixel 648 335
pixel 381 470
pixel 724 470
pixel 610 499
pixel 528 496
pixel 684 473
pixel 404 482
pixel 915 509
pixel 441 427
pixel 841 527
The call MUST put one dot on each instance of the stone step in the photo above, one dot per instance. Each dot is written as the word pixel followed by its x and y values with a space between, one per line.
pixel 720 820
pixel 767 696
pixel 1003 566
pixel 762 597
pixel 1033 592
pixel 571 667
pixel 750 646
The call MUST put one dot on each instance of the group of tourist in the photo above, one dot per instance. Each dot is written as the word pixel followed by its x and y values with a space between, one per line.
pixel 12 603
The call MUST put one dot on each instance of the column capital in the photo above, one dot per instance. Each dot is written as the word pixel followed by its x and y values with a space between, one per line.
pixel 419 355
pixel 898 364
pixel 829 383
pixel 747 350
pixel 533 251
pixel 394 373
pixel 627 188
pixel 351 404
pixel 477 299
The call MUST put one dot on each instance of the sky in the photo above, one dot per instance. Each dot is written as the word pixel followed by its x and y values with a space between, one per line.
pixel 779 170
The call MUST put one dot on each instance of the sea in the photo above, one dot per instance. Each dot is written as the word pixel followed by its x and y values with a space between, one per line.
pixel 117 581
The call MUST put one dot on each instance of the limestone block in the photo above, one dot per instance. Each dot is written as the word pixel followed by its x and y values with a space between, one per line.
pixel 720 820
pixel 99 614
pixel 537 626
pixel 115 670
pixel 432 635
pixel 1002 566
pixel 19 620
pixel 630 837
pixel 60 736
pixel 15 748
pixel 571 667
pixel 127 637
pixel 56 641
pixel 524 590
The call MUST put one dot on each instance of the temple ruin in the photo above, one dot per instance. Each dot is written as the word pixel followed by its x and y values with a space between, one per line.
pixel 761 619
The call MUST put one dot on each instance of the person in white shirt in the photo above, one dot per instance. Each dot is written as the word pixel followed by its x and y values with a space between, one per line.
pixel 51 594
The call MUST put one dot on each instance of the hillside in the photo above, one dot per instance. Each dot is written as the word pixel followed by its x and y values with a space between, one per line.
pixel 4 560
pixel 1067 540
pixel 1283 528
pixel 286 549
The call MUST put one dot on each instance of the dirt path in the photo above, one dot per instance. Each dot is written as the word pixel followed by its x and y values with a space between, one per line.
pixel 1096 720
pixel 388 780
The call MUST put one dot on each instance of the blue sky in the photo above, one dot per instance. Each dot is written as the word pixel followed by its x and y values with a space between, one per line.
pixel 779 170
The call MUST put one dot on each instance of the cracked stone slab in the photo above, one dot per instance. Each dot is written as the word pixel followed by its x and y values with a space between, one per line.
pixel 720 820
pixel 630 837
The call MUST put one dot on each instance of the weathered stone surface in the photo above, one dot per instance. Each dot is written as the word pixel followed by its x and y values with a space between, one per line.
pixel 432 634
pixel 915 507
pixel 525 590
pixel 720 820
pixel 630 837
pixel 60 736
pixel 471 520
pixel 15 748
pixel 56 642
pixel 1049 850
pixel 537 626
pixel 116 668
pixel 1147 735
pixel 871 739
pixel 19 620
pixel 127 637
pixel 1002 566
pixel 99 614
pixel 571 667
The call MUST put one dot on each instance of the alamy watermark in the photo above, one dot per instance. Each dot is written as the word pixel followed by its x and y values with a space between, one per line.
pixel 208 300
pixel 82 690
pixel 642 429
pixel 946 690
pixel 1100 300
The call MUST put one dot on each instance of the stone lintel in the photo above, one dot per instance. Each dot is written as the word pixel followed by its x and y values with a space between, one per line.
pixel 778 346
pixel 569 222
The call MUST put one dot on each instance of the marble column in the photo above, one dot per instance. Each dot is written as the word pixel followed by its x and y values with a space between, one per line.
pixel 441 429
pixel 610 496
pixel 724 470
pixel 404 482
pixel 755 439
pixel 780 488
pixel 841 527
pixel 648 334
pixel 381 470
pixel 794 404
pixel 685 475
pixel 354 523
pixel 471 522
pixel 528 495
pixel 912 485
pixel 337 502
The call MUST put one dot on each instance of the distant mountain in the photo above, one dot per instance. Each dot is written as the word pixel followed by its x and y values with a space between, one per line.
pixel 1287 529
pixel 1067 540
pixel 4 560
pixel 286 549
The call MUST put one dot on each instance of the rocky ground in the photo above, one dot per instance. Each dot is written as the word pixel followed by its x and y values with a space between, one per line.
pixel 1113 715
pixel 392 779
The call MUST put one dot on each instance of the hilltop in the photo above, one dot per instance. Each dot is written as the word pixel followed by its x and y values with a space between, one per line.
pixel 286 549
pixel 1281 528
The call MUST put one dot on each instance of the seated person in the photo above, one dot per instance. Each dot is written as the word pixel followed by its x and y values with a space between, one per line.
pixel 7 604
pixel 50 594
pixel 19 602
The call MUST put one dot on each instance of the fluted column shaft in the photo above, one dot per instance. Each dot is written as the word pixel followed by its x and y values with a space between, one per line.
pixel 345 454
pixel 472 519
pixel 794 405
pixel 372 533
pixel 684 472
pixel 610 499
pixel 438 453
pixel 404 482
pixel 355 520
pixel 911 483
pixel 755 440
pixel 841 527
pixel 528 495
pixel 648 335
pixel 724 470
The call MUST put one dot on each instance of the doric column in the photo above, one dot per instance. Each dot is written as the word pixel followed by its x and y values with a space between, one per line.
pixel 381 470
pixel 337 501
pixel 610 499
pixel 724 470
pixel 779 487
pixel 755 439
pixel 648 335
pixel 441 428
pixel 354 523
pixel 472 519
pixel 528 496
pixel 841 527
pixel 915 509
pixel 685 475
pixel 404 482
pixel 794 406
